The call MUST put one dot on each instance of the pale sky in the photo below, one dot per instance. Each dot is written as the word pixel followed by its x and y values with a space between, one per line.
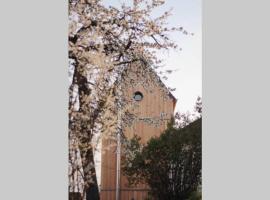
pixel 188 78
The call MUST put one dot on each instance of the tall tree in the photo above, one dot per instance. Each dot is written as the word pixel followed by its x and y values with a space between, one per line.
pixel 103 41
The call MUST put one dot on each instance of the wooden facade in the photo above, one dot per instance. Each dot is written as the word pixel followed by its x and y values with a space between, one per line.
pixel 152 113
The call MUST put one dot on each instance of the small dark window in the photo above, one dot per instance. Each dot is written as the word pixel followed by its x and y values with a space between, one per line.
pixel 138 96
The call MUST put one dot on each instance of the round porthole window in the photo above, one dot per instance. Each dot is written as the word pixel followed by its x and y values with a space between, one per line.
pixel 138 96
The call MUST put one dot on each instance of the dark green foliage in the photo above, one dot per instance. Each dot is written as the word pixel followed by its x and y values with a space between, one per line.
pixel 196 195
pixel 169 164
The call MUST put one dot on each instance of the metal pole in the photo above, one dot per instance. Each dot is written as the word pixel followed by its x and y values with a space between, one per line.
pixel 118 162
pixel 118 148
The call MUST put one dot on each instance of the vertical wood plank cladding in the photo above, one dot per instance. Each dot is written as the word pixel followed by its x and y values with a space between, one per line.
pixel 155 101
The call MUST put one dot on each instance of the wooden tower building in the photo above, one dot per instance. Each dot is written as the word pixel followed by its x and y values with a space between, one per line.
pixel 153 105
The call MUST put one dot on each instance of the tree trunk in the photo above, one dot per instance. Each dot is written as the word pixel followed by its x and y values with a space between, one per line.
pixel 85 137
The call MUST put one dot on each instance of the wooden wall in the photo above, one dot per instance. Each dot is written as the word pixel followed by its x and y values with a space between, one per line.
pixel 153 114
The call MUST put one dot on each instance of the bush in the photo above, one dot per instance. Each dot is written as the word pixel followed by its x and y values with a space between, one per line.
pixel 169 164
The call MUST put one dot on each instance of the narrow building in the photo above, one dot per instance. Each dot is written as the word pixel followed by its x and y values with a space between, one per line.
pixel 152 106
